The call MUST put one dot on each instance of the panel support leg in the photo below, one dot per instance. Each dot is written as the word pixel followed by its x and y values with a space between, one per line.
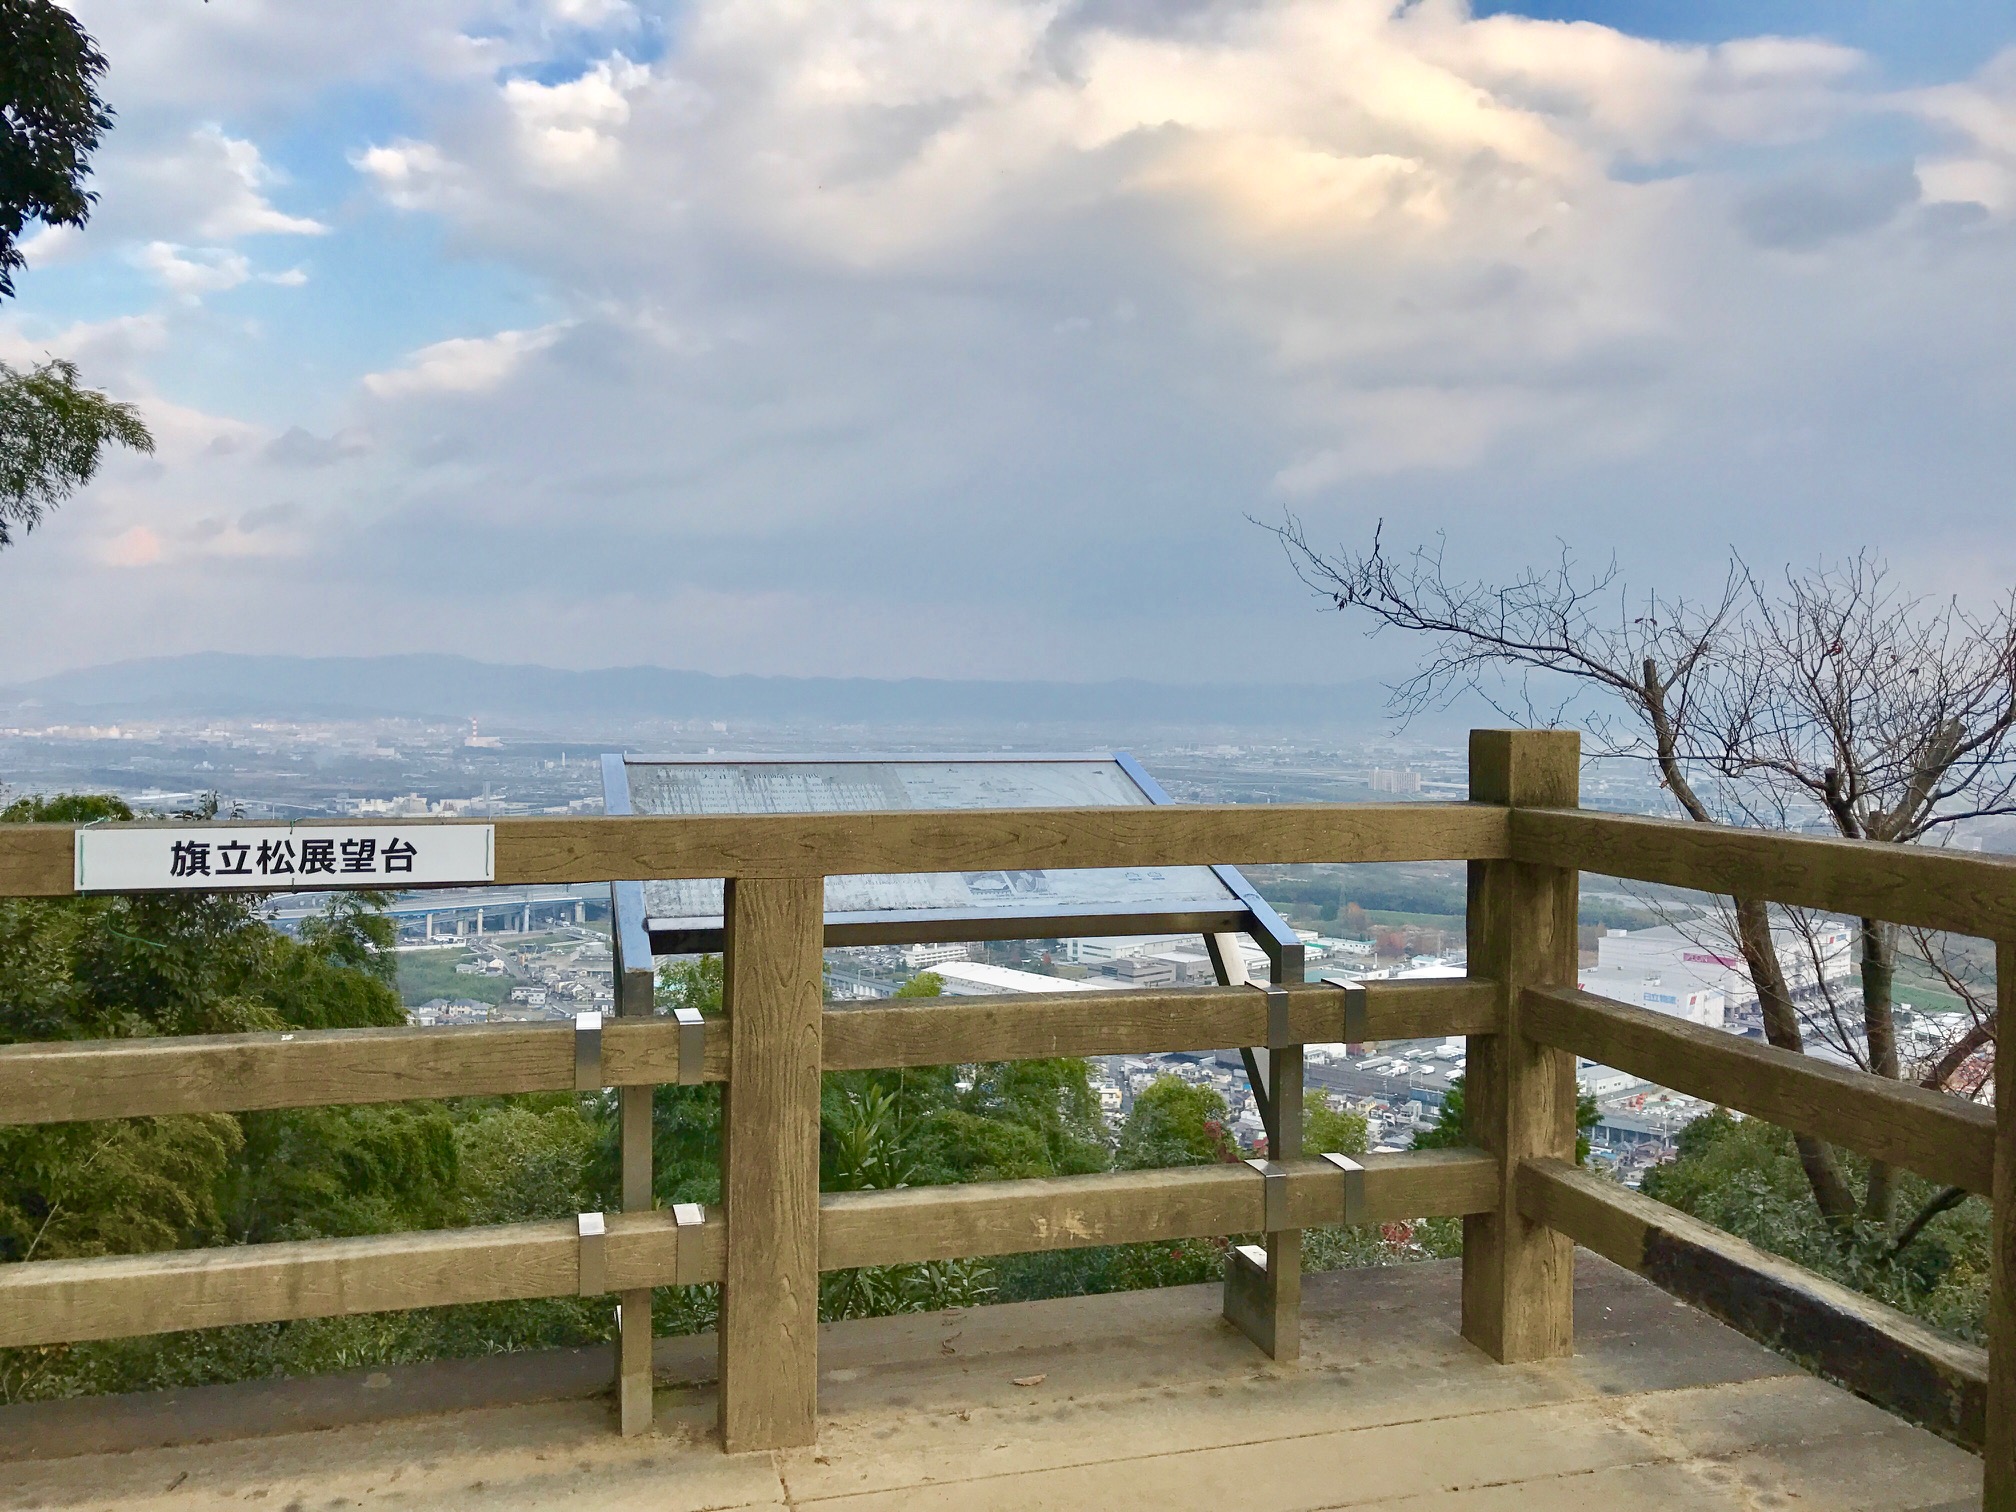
pixel 633 1334
pixel 636 997
pixel 1263 1282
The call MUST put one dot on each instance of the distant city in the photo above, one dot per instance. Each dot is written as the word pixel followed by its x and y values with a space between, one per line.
pixel 537 953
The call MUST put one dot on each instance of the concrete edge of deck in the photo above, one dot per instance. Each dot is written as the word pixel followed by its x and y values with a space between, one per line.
pixel 371 1396
pixel 1128 1398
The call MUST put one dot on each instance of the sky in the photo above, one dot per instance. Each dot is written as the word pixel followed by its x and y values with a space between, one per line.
pixel 968 338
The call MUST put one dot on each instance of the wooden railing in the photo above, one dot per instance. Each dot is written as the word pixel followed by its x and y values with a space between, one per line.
pixel 1524 1203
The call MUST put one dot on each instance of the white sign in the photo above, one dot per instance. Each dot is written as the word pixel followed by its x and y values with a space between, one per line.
pixel 284 858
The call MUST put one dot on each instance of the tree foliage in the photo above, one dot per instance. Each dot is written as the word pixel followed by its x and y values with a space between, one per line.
pixel 53 434
pixel 1452 1123
pixel 1175 1123
pixel 1745 1176
pixel 1833 698
pixel 166 964
pixel 54 431
pixel 1332 1131
pixel 50 121
pixel 171 964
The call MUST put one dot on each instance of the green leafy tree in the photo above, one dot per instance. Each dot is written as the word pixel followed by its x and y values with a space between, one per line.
pixel 312 1173
pixel 527 1158
pixel 51 119
pixel 1748 1177
pixel 1332 1131
pixel 54 431
pixel 1451 1129
pixel 1175 1123
pixel 863 1150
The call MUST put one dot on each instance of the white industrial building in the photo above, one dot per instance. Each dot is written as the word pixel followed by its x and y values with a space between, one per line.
pixel 1697 1005
pixel 1097 952
pixel 1697 961
pixel 978 979
pixel 1178 960
pixel 925 957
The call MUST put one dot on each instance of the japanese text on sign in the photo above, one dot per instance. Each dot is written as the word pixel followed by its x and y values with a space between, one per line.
pixel 277 859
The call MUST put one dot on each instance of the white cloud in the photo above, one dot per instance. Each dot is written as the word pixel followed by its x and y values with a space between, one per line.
pixel 190 273
pixel 464 365
pixel 843 290
pixel 49 245
pixel 570 131
pixel 243 210
pixel 410 175
pixel 1979 114
pixel 203 185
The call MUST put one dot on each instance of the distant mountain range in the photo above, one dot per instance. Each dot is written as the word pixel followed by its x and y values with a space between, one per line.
pixel 222 685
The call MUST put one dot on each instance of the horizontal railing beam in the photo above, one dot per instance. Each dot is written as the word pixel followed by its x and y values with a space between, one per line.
pixel 1880 1353
pixel 1941 1138
pixel 67 1301
pixel 960 1030
pixel 36 859
pixel 67 1080
pixel 1965 892
pixel 1129 1207
pixel 64 1080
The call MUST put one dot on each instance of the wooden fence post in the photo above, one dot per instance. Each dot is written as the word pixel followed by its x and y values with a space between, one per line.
pixel 1998 1491
pixel 1518 1276
pixel 769 1331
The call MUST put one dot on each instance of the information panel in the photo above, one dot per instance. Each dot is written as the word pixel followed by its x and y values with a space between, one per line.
pixel 277 858
pixel 843 785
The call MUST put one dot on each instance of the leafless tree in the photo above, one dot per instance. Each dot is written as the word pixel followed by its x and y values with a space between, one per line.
pixel 1836 701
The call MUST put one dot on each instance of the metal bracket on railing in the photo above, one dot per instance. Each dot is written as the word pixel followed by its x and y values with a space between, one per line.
pixel 1354 1187
pixel 588 1052
pixel 1279 1036
pixel 692 1046
pixel 1274 1195
pixel 594 1262
pixel 688 1218
pixel 1357 1010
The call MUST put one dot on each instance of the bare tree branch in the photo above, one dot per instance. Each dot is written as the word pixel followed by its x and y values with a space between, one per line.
pixel 1833 700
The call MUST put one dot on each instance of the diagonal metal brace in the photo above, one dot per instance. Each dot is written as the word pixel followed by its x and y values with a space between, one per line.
pixel 1257 1073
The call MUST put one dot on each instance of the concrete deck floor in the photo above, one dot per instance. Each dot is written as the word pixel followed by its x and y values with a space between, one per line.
pixel 1144 1400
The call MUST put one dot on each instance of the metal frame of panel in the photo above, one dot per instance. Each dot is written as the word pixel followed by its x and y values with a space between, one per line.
pixel 1245 911
pixel 1262 1300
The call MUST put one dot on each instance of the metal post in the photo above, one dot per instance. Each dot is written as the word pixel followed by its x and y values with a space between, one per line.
pixel 1263 1282
pixel 633 1109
